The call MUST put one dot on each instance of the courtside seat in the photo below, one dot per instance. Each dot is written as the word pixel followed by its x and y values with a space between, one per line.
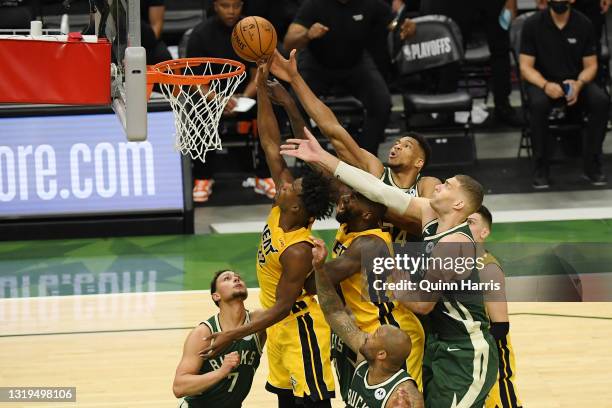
pixel 450 102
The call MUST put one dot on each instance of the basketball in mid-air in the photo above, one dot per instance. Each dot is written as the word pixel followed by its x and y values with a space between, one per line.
pixel 254 38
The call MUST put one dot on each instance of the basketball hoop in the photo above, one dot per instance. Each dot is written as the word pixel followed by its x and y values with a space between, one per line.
pixel 198 90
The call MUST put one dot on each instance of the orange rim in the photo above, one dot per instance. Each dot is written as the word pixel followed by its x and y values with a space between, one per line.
pixel 159 73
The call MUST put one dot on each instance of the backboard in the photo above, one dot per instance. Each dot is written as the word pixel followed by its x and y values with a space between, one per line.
pixel 119 21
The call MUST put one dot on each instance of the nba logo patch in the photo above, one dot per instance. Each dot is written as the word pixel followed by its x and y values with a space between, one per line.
pixel 293 382
pixel 429 247
pixel 380 394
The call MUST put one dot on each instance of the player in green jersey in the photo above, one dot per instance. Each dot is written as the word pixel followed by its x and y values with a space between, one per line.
pixel 460 349
pixel 223 381
pixel 379 380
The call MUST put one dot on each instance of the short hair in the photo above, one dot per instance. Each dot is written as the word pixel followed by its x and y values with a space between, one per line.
pixel 474 191
pixel 213 283
pixel 423 144
pixel 317 194
pixel 486 215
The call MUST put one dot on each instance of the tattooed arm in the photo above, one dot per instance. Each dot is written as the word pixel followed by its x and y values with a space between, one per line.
pixel 338 319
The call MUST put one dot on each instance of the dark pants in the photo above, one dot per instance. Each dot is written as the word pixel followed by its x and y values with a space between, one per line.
pixel 592 101
pixel 364 82
pixel 466 14
pixel 157 51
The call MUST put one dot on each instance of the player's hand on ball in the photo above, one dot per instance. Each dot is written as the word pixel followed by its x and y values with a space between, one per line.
pixel 230 361
pixel 218 342
pixel 282 68
pixel 317 30
pixel 307 149
pixel 319 253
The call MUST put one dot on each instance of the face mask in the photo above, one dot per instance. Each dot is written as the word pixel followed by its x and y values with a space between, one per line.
pixel 559 7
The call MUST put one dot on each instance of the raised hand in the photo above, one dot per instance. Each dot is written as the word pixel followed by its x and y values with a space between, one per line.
pixel 307 149
pixel 218 342
pixel 319 253
pixel 277 93
pixel 282 68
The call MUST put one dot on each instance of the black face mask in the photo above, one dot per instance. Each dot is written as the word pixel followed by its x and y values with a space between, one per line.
pixel 559 7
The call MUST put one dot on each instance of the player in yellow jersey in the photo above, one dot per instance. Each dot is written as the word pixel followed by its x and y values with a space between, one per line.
pixel 503 394
pixel 298 345
pixel 361 237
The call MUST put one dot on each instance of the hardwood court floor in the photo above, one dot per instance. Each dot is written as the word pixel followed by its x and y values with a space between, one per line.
pixel 121 350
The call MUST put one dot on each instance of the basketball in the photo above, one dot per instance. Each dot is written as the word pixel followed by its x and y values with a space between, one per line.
pixel 254 38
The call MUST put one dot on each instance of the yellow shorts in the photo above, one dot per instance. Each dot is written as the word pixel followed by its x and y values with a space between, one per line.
pixel 299 351
pixel 503 394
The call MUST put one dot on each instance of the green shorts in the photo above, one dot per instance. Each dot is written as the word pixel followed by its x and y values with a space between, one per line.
pixel 450 377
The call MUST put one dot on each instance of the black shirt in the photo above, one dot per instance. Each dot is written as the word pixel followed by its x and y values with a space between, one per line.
pixel 558 53
pixel 212 38
pixel 351 25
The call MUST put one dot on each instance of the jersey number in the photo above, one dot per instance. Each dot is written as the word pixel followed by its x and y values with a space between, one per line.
pixel 234 377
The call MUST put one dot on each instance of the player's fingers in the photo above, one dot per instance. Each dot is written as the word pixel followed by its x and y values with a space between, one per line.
pixel 309 134
pixel 292 54
pixel 295 141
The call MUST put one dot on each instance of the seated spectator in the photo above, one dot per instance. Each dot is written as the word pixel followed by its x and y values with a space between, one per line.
pixel 559 62
pixel 15 14
pixel 595 10
pixel 334 36
pixel 212 38
pixel 151 25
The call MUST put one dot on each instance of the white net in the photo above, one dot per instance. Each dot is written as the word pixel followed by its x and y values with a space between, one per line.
pixel 198 108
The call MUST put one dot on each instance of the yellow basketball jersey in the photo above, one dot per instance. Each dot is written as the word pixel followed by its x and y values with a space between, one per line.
pixel 274 241
pixel 367 307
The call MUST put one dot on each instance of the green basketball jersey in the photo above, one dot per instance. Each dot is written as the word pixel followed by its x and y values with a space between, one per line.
pixel 399 236
pixel 457 315
pixel 232 390
pixel 363 395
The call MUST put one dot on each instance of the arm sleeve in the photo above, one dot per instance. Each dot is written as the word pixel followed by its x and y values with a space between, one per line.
pixel 528 46
pixel 372 187
pixel 306 14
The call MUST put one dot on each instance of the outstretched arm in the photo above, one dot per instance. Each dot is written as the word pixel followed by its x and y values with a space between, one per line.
pixel 339 320
pixel 344 144
pixel 280 96
pixel 297 264
pixel 269 134
pixel 370 186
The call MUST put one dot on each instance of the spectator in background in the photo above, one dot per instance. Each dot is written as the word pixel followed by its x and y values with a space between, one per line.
pixel 212 38
pixel 334 36
pixel 15 14
pixel 595 10
pixel 279 12
pixel 463 12
pixel 151 25
pixel 558 50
